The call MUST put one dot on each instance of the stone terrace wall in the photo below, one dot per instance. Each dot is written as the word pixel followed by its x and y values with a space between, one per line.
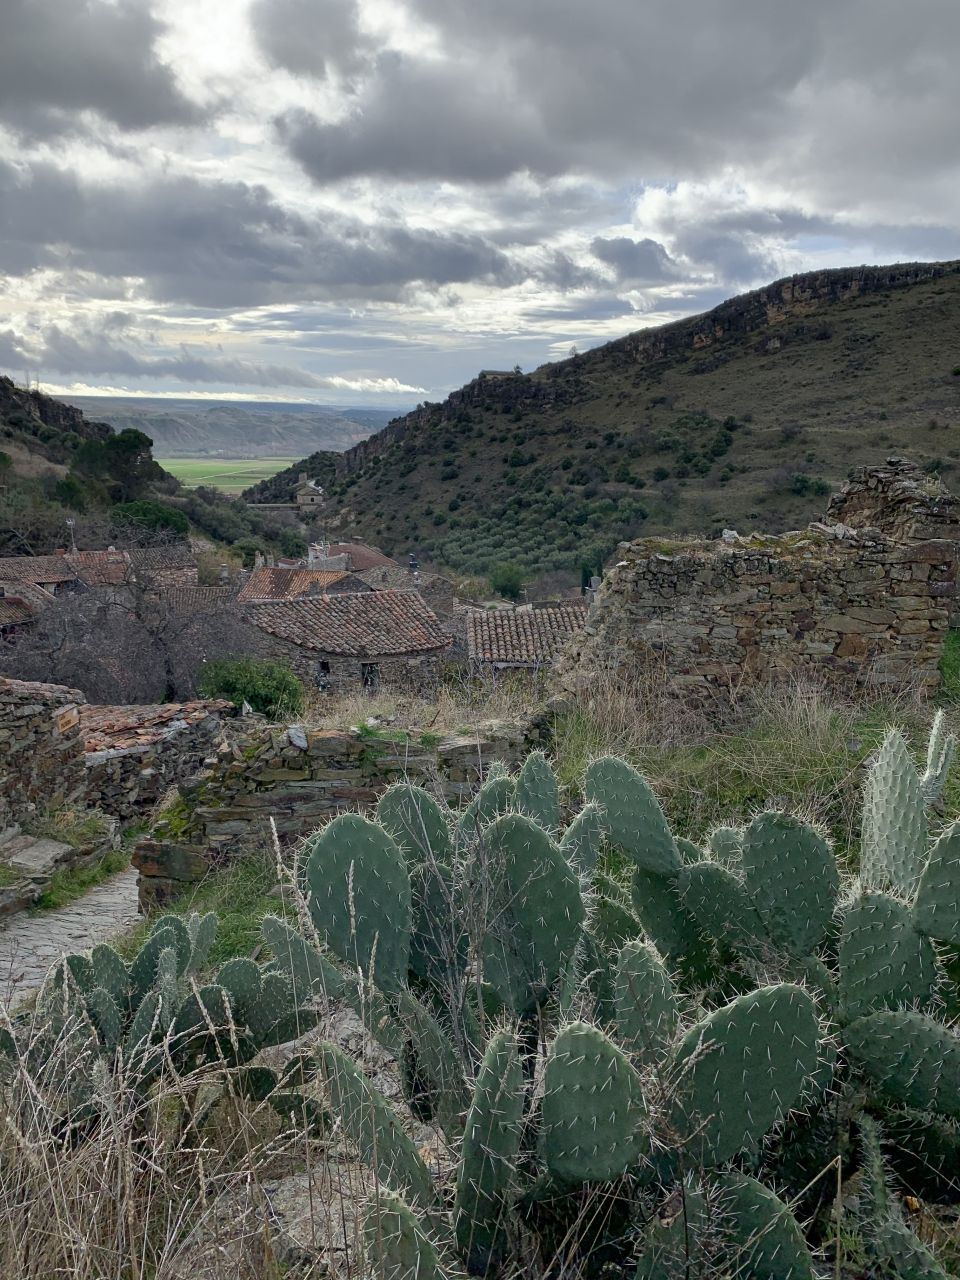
pixel 301 778
pixel 142 756
pixel 856 609
pixel 41 754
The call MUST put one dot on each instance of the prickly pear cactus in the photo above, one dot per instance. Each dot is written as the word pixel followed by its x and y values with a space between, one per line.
pixel 311 973
pixel 396 1245
pixel 491 1141
pixel 910 1057
pixel 418 824
pixel 894 827
pixel 497 796
pixel 372 1126
pixel 941 749
pixel 762 1236
pixel 360 898
pixel 742 1068
pixel 583 840
pixel 791 873
pixel 936 910
pixel 537 793
pixel 717 900
pixel 726 844
pixel 632 814
pixel 666 921
pixel 884 962
pixel 646 1006
pixel 676 1241
pixel 594 1116
pixel 541 912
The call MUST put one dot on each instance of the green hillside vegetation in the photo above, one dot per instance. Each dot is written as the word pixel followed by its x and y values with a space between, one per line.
pixel 280 487
pixel 55 467
pixel 745 417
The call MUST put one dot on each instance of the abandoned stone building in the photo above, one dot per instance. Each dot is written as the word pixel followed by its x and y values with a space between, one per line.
pixel 864 597
pixel 355 641
pixel 308 494
pixel 527 638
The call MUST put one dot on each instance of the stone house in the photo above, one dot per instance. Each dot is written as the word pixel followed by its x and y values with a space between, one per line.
pixel 308 494
pixel 527 638
pixel 21 603
pixel 355 557
pixel 168 565
pixel 355 640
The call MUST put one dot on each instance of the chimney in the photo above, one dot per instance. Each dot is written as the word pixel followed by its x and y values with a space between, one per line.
pixel 258 561
pixel 223 577
pixel 303 477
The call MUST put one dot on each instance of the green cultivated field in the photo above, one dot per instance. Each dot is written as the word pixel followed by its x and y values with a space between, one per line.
pixel 232 475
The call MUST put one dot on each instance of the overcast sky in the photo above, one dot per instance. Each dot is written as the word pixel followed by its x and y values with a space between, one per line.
pixel 367 201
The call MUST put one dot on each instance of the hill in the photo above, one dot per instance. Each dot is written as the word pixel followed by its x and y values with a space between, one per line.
pixel 320 466
pixel 235 429
pixel 745 416
pixel 59 468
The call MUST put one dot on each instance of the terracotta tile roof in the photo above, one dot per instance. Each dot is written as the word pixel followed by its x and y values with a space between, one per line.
pixel 288 584
pixel 171 555
pixel 366 625
pixel 15 612
pixel 100 568
pixel 394 577
pixel 529 636
pixel 361 556
pixel 198 599
pixel 106 728
pixel 36 569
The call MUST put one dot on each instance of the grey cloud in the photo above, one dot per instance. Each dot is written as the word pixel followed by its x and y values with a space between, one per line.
pixel 223 245
pixel 58 59
pixel 635 261
pixel 309 38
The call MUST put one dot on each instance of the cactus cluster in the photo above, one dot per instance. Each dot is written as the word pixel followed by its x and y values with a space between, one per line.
pixel 590 1006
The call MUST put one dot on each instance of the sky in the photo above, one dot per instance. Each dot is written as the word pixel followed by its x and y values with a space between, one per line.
pixel 368 201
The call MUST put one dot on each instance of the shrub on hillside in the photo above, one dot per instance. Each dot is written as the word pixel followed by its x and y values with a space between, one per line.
pixel 507 580
pixel 270 688
pixel 147 515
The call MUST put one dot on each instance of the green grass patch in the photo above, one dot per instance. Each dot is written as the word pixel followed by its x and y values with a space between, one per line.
pixel 231 475
pixel 240 895
pixel 8 876
pixel 950 668
pixel 79 828
pixel 66 886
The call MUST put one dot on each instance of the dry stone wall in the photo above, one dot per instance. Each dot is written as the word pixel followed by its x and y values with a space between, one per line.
pixel 900 501
pixel 41 753
pixel 300 778
pixel 851 607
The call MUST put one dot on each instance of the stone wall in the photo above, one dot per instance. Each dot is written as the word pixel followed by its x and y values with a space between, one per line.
pixel 127 780
pixel 300 778
pixel 853 608
pixel 333 673
pixel 41 753
pixel 899 500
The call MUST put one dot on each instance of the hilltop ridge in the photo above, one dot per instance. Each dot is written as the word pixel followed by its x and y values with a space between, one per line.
pixel 748 413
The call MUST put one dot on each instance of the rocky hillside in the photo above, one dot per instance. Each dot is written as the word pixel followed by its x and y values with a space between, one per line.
pixel 745 416
pixel 281 487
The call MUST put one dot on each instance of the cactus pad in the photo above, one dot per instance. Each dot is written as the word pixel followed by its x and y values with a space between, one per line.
pixel 497 796
pixel 594 1112
pixel 726 844
pixel 371 1124
pixel 716 899
pixel 583 840
pixel 360 898
pixel 742 1068
pixel 632 813
pixel 936 911
pixel 912 1058
pixel 646 1006
pixel 537 793
pixel 491 1141
pixel 311 974
pixel 894 826
pixel 395 1243
pixel 762 1236
pixel 884 962
pixel 416 821
pixel 792 874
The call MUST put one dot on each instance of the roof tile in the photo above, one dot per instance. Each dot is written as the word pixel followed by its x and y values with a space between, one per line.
pixel 366 625
pixel 529 636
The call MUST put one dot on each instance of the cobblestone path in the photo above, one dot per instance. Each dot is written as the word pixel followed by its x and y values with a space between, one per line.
pixel 30 943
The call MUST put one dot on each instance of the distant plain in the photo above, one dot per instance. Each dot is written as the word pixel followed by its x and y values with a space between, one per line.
pixel 230 475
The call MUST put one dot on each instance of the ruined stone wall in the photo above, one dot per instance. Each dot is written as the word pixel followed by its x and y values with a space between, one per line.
pixel 300 778
pixel 899 500
pixel 335 674
pixel 41 754
pixel 126 781
pixel 856 610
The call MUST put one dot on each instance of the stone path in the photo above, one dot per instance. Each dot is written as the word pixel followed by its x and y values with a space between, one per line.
pixel 29 944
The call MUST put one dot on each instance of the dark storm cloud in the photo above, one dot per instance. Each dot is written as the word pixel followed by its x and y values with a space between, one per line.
pixel 636 261
pixel 224 245
pixel 59 58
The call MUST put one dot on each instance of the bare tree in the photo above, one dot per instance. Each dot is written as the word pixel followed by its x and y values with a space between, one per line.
pixel 132 640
